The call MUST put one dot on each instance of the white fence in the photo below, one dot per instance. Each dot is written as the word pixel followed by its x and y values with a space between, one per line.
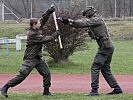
pixel 16 41
pixel 4 40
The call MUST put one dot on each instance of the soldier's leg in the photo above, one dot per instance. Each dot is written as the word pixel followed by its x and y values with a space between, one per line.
pixel 106 72
pixel 95 70
pixel 43 69
pixel 25 70
pixel 23 73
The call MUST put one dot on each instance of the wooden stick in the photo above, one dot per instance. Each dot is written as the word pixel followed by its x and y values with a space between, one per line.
pixel 57 28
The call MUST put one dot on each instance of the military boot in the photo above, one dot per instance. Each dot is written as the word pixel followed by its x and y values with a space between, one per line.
pixel 117 90
pixel 94 92
pixel 4 90
pixel 47 92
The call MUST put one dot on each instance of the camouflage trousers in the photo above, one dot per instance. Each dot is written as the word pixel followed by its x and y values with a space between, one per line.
pixel 101 64
pixel 27 67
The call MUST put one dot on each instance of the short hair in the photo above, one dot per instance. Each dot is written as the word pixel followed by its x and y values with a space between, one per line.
pixel 33 21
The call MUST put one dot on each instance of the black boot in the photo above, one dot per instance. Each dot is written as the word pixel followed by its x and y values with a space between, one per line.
pixel 47 92
pixel 94 92
pixel 117 90
pixel 4 90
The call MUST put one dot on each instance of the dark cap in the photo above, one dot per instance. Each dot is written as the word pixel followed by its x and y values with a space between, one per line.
pixel 89 11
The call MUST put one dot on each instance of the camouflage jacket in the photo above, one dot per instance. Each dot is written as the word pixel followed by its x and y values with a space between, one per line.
pixel 97 30
pixel 35 41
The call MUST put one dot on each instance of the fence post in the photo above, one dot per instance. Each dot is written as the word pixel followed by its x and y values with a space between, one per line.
pixel 18 43
pixel 6 41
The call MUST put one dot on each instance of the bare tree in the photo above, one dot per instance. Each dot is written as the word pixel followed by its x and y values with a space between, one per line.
pixel 130 7
pixel 104 7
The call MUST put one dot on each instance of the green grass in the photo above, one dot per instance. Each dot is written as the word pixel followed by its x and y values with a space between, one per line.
pixel 116 29
pixel 119 28
pixel 64 96
pixel 10 30
pixel 79 62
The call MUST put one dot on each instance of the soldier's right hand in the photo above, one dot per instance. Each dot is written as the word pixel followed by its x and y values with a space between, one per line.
pixel 51 10
pixel 63 20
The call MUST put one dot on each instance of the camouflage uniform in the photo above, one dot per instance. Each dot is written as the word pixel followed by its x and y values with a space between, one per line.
pixel 33 56
pixel 97 30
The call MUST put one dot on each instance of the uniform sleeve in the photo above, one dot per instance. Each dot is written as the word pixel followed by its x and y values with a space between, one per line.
pixel 82 23
pixel 39 39
pixel 44 19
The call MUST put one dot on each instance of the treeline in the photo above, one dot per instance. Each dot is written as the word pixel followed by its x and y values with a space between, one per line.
pixel 106 8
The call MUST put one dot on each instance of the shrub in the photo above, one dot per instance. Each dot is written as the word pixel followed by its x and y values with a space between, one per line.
pixel 72 39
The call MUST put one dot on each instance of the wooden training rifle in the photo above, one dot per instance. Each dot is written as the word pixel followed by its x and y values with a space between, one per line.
pixel 57 28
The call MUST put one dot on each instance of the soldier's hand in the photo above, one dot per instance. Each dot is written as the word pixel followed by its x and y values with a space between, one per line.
pixel 56 33
pixel 51 10
pixel 63 20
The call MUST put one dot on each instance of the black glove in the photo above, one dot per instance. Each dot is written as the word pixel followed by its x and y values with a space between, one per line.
pixel 56 33
pixel 63 20
pixel 51 10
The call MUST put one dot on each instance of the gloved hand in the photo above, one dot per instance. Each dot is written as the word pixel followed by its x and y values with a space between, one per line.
pixel 51 10
pixel 63 20
pixel 56 33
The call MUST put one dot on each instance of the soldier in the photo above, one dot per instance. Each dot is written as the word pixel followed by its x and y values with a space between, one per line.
pixel 97 30
pixel 33 55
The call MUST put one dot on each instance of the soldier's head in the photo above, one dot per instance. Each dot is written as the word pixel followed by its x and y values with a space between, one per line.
pixel 89 12
pixel 35 23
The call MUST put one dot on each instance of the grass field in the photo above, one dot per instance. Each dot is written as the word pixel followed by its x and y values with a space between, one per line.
pixel 79 62
pixel 65 96
pixel 121 29
pixel 118 29
pixel 10 30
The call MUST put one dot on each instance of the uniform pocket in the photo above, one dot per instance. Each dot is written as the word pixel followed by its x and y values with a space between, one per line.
pixel 108 43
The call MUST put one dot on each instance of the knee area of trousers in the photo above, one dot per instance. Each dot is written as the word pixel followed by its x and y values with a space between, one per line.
pixel 23 73
pixel 95 69
pixel 46 73
pixel 96 66
pixel 98 63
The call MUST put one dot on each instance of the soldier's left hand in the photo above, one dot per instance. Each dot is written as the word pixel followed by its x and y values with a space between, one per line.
pixel 63 20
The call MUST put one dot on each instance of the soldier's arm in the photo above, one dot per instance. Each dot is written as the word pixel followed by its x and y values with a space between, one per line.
pixel 82 23
pixel 41 39
pixel 44 19
pixel 46 16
